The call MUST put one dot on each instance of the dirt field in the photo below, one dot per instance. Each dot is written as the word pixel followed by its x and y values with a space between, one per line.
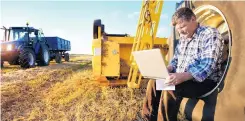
pixel 64 92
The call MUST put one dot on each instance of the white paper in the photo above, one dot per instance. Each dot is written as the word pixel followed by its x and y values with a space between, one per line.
pixel 160 85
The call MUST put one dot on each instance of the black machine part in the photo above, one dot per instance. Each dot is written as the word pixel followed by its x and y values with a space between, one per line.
pixel 44 56
pixel 58 58
pixel 67 57
pixel 27 58
pixel 97 23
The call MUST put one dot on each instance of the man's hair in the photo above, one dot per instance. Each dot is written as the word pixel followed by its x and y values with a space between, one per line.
pixel 183 13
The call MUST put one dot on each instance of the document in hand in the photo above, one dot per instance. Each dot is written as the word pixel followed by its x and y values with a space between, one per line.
pixel 160 85
pixel 151 65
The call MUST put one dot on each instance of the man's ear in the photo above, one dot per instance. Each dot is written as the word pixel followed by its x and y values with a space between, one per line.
pixel 193 18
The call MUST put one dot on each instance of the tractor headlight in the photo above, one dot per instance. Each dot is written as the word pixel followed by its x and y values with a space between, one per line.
pixel 9 47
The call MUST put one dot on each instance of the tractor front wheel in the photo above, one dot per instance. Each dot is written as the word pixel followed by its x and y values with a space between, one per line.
pixel 27 58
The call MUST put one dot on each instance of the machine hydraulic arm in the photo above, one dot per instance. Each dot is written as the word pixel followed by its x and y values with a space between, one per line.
pixel 145 36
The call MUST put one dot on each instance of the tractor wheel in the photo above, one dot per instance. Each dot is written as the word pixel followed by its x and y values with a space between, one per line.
pixel 44 56
pixel 15 62
pixel 27 58
pixel 67 57
pixel 231 100
pixel 97 23
pixel 58 58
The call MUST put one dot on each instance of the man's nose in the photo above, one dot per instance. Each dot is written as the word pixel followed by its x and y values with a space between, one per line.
pixel 182 32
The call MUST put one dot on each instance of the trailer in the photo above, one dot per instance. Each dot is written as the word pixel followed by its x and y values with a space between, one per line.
pixel 58 47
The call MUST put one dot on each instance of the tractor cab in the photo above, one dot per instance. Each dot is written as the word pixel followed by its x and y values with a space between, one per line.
pixel 14 37
pixel 21 34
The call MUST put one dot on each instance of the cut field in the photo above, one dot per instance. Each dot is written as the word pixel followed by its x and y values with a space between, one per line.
pixel 65 92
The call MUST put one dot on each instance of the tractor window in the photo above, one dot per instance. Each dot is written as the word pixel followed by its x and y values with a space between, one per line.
pixel 22 34
pixel 32 34
pixel 17 35
pixel 40 36
pixel 3 36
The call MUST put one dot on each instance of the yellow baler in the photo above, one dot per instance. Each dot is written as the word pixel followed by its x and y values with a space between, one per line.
pixel 111 55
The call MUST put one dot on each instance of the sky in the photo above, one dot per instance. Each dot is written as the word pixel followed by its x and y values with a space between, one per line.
pixel 73 20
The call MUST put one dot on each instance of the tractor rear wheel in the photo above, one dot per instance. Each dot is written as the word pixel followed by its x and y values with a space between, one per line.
pixel 44 56
pixel 231 100
pixel 27 58
pixel 67 57
pixel 58 58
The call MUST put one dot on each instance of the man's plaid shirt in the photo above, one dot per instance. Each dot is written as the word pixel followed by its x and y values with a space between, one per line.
pixel 201 55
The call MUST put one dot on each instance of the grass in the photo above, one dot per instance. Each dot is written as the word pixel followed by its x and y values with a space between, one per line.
pixel 69 93
pixel 9 68
pixel 83 102
pixel 18 99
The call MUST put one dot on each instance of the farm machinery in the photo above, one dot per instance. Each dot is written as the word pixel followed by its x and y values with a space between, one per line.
pixel 111 60
pixel 26 46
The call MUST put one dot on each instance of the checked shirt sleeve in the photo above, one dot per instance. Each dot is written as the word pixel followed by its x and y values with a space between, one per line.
pixel 210 52
pixel 174 61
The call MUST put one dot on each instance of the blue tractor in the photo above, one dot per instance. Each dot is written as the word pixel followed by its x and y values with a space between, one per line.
pixel 26 46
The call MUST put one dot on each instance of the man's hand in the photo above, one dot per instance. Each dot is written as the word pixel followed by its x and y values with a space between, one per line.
pixel 178 78
pixel 170 69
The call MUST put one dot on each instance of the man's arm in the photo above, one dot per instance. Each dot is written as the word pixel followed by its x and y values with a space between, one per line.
pixel 173 63
pixel 170 68
pixel 211 51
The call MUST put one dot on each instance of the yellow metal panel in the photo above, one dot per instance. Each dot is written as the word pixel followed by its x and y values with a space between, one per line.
pixel 96 59
pixel 125 48
pixel 130 40
pixel 110 59
pixel 125 51
pixel 213 21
